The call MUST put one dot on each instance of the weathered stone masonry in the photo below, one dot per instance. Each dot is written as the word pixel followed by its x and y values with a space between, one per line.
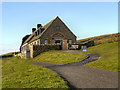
pixel 53 33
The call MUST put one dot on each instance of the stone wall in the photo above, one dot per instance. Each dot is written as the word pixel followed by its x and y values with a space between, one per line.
pixel 62 34
pixel 74 46
pixel 77 46
pixel 37 49
pixel 23 55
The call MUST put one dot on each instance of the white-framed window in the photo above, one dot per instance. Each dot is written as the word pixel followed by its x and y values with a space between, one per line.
pixel 46 41
pixel 69 41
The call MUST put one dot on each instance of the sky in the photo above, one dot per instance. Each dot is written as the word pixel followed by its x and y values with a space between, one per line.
pixel 84 19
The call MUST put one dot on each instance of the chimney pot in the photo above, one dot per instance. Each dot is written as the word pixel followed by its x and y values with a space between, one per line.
pixel 39 25
pixel 33 29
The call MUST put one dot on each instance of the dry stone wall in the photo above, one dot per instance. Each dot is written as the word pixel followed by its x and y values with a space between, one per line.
pixel 37 49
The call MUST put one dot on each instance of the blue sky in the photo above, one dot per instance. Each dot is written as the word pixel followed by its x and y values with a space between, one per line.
pixel 84 19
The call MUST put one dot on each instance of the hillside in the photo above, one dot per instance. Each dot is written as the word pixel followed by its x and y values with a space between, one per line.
pixel 24 75
pixel 10 54
pixel 109 56
pixel 17 73
pixel 107 47
pixel 109 38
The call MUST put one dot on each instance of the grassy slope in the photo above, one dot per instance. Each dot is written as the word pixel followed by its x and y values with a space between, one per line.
pixel 17 73
pixel 58 57
pixel 10 53
pixel 103 38
pixel 109 56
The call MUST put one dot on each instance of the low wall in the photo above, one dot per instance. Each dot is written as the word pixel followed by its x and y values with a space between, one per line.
pixel 37 49
pixel 79 45
pixel 23 55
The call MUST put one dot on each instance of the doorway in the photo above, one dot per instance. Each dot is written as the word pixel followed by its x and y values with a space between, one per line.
pixel 59 42
pixel 28 54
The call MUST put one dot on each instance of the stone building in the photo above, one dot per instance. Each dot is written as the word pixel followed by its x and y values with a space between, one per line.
pixel 54 32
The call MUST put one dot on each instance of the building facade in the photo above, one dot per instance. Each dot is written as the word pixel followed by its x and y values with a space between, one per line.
pixel 54 32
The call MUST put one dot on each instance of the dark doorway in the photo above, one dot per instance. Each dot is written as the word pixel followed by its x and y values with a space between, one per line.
pixel 28 54
pixel 58 42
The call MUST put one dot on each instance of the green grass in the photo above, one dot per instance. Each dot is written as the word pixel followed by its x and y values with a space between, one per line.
pixel 59 57
pixel 108 38
pixel 17 73
pixel 109 56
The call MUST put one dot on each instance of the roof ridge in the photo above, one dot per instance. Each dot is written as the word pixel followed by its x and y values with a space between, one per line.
pixel 46 26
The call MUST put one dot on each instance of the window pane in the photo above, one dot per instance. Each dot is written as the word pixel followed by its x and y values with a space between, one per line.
pixel 70 41
pixel 46 41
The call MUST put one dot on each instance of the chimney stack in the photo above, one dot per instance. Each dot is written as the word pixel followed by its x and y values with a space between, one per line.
pixel 39 25
pixel 33 29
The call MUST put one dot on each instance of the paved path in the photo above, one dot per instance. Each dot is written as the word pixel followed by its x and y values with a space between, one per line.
pixel 80 76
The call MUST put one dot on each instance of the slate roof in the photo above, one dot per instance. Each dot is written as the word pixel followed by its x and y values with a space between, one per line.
pixel 45 27
pixel 30 38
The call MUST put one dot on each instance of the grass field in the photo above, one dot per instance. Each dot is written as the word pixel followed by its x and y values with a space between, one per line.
pixel 109 56
pixel 108 38
pixel 17 73
pixel 59 57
